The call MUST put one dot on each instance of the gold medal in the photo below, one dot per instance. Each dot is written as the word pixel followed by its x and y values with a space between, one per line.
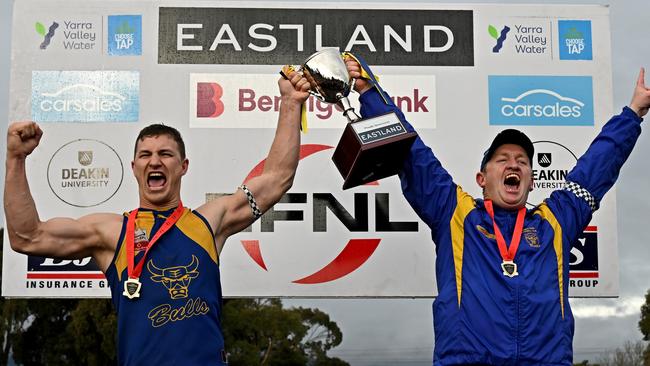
pixel 509 268
pixel 132 288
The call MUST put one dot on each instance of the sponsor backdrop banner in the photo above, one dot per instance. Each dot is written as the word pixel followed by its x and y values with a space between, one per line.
pixel 93 73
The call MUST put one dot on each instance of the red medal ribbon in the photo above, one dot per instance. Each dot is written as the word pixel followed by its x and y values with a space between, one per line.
pixel 133 270
pixel 508 254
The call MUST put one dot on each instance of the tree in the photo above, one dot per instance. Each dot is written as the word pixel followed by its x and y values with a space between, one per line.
pixel 644 327
pixel 630 354
pixel 261 332
pixel 84 332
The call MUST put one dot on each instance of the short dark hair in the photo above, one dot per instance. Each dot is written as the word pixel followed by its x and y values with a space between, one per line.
pixel 158 129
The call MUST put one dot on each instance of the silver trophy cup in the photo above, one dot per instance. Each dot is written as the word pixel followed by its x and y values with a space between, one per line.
pixel 329 79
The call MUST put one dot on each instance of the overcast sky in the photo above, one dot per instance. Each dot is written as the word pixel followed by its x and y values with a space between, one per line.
pixel 399 332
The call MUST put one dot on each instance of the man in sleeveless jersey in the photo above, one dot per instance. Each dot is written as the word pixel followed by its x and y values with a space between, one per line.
pixel 161 260
pixel 502 270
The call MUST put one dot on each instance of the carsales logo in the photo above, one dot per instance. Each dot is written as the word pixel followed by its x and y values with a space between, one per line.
pixel 541 100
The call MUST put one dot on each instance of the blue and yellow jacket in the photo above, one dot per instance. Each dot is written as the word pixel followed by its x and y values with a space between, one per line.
pixel 480 315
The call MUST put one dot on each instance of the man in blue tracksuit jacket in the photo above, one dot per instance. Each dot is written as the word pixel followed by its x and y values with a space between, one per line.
pixel 503 270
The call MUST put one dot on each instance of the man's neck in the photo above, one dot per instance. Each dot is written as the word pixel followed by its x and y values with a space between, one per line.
pixel 163 206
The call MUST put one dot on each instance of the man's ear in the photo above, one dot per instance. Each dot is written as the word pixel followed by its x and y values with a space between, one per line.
pixel 532 183
pixel 480 179
pixel 185 165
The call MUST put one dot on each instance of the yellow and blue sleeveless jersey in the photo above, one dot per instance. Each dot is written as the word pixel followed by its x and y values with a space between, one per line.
pixel 176 319
pixel 480 315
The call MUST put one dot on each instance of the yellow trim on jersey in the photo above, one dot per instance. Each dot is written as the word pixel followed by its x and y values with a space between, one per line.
pixel 197 230
pixel 547 215
pixel 189 224
pixel 464 206
pixel 144 221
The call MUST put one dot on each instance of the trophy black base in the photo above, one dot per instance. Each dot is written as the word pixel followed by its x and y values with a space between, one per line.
pixel 372 149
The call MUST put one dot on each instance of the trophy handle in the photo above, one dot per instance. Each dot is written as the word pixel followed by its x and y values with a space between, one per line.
pixel 317 95
pixel 348 110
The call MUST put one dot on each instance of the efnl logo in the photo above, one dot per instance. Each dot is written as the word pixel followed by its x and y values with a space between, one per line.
pixel 85 96
pixel 541 100
pixel 124 35
pixel 575 39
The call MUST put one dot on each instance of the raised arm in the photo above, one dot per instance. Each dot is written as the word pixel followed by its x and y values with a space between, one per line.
pixel 230 214
pixel 598 168
pixel 93 235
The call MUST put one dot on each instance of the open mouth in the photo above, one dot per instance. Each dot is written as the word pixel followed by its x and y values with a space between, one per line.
pixel 512 182
pixel 156 179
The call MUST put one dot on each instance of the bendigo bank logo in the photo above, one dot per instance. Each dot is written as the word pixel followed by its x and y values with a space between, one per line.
pixel 175 279
pixel 253 100
pixel 208 100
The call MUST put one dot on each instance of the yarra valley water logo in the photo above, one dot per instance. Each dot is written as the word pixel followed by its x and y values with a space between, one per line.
pixel 47 36
pixel 500 37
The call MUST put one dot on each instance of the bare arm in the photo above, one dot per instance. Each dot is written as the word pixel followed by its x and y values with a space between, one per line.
pixel 93 235
pixel 230 214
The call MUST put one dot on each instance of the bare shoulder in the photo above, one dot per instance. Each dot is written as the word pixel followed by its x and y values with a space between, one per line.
pixel 106 224
pixel 108 228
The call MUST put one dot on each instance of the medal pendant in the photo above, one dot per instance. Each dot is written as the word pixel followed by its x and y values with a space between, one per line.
pixel 509 268
pixel 132 288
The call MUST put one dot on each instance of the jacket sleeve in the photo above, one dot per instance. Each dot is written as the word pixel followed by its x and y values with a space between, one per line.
pixel 597 169
pixel 427 186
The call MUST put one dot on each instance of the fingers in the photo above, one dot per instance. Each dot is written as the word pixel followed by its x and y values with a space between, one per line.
pixel 26 130
pixel 640 81
pixel 299 82
pixel 353 67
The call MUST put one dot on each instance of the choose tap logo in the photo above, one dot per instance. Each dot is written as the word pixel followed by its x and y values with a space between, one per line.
pixel 85 96
pixel 541 100
pixel 575 39
pixel 124 35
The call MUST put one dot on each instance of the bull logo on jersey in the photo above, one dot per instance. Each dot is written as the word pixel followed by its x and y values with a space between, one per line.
pixel 530 234
pixel 176 279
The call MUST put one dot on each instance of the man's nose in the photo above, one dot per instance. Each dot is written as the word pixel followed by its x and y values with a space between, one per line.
pixel 155 160
pixel 512 163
